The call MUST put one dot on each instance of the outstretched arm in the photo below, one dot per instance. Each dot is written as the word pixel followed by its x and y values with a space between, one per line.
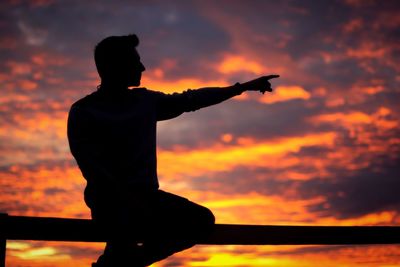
pixel 173 105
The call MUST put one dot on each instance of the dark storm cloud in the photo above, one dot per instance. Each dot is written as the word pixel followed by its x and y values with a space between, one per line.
pixel 360 44
pixel 54 191
pixel 239 118
pixel 309 28
pixel 167 30
pixel 18 170
pixel 334 44
pixel 244 180
pixel 20 207
pixel 354 194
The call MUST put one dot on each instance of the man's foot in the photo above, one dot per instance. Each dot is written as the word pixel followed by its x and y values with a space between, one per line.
pixel 104 261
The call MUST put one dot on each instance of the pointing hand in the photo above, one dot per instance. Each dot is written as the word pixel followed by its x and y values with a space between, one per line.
pixel 261 84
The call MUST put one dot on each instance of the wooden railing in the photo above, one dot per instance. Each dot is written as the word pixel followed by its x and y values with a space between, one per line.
pixel 83 230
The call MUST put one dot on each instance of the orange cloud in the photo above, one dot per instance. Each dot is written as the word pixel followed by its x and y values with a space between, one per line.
pixel 371 134
pixel 28 85
pixel 353 25
pixel 367 50
pixel 19 68
pixel 44 191
pixel 290 256
pixel 40 253
pixel 356 95
pixel 372 90
pixel 285 93
pixel 54 254
pixel 347 119
pixel 175 163
pixel 256 208
pixel 354 119
pixel 49 59
pixel 7 98
pixel 179 85
pixel 233 63
pixel 34 136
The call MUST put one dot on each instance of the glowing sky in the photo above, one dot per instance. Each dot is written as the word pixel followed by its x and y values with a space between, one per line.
pixel 322 149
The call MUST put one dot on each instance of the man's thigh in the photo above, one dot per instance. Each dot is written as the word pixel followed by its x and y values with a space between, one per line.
pixel 156 214
pixel 169 214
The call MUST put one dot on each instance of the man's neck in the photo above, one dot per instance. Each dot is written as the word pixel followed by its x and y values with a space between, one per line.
pixel 112 86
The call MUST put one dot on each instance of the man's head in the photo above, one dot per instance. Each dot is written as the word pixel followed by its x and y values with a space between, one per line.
pixel 118 62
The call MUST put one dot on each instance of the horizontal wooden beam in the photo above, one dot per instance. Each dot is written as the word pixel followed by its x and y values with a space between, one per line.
pixel 83 230
pixel 303 235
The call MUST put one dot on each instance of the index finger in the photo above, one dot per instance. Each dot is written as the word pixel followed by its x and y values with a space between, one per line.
pixel 272 76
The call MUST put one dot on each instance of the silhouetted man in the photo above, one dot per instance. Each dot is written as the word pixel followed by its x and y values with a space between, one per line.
pixel 112 135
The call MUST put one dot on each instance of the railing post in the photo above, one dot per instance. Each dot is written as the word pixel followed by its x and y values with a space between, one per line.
pixel 3 239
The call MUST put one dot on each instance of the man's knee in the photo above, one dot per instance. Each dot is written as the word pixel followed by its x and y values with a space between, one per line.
pixel 205 220
pixel 209 217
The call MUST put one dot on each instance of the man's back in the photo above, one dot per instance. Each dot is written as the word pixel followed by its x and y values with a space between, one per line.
pixel 113 138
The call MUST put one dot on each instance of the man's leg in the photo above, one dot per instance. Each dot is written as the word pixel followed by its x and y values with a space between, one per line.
pixel 169 222
pixel 178 224
pixel 123 249
pixel 121 253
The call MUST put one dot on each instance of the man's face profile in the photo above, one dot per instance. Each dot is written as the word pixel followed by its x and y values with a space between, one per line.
pixel 135 68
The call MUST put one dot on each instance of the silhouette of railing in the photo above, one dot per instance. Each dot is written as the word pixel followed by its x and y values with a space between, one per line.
pixel 84 230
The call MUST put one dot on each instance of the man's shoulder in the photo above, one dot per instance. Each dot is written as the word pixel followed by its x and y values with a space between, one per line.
pixel 85 101
pixel 97 97
pixel 145 93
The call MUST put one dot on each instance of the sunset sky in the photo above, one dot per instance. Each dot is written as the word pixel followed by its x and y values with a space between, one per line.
pixel 322 149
